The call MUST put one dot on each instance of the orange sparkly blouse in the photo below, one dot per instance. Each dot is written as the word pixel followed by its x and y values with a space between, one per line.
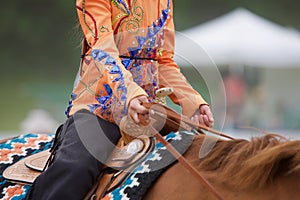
pixel 129 52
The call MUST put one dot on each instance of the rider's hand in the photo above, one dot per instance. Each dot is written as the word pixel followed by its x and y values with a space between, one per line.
pixel 203 116
pixel 138 113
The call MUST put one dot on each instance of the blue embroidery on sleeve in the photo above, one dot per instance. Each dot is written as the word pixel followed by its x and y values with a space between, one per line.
pixel 121 92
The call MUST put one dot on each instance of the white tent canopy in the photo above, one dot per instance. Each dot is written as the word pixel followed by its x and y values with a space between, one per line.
pixel 240 38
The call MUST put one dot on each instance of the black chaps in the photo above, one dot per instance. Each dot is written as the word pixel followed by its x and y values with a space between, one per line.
pixel 80 148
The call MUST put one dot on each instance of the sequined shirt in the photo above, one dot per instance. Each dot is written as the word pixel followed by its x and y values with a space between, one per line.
pixel 130 48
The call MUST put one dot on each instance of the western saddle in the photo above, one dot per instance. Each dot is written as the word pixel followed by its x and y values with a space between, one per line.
pixel 131 151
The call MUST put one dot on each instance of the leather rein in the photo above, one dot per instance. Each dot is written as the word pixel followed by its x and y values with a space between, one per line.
pixel 172 117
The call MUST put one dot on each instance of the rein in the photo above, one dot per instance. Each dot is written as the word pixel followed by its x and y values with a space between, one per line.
pixel 172 117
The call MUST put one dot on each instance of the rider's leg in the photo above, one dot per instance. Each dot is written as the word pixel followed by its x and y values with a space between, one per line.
pixel 74 168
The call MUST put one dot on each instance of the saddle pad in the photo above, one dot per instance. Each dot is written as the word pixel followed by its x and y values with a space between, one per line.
pixel 137 184
pixel 16 149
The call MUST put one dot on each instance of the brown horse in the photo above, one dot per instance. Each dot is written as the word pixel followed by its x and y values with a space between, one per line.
pixel 265 168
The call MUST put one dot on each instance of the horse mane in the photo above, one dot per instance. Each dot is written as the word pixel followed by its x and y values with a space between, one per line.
pixel 251 164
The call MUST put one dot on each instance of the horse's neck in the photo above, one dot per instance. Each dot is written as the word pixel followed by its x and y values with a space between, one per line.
pixel 282 187
pixel 177 183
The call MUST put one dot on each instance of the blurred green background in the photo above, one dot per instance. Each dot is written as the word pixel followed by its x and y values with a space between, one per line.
pixel 40 48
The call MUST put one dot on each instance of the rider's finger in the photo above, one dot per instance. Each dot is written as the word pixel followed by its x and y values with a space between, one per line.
pixel 135 118
pixel 139 108
pixel 201 120
pixel 206 120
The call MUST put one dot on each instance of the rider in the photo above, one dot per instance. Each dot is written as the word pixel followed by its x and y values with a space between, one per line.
pixel 128 50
